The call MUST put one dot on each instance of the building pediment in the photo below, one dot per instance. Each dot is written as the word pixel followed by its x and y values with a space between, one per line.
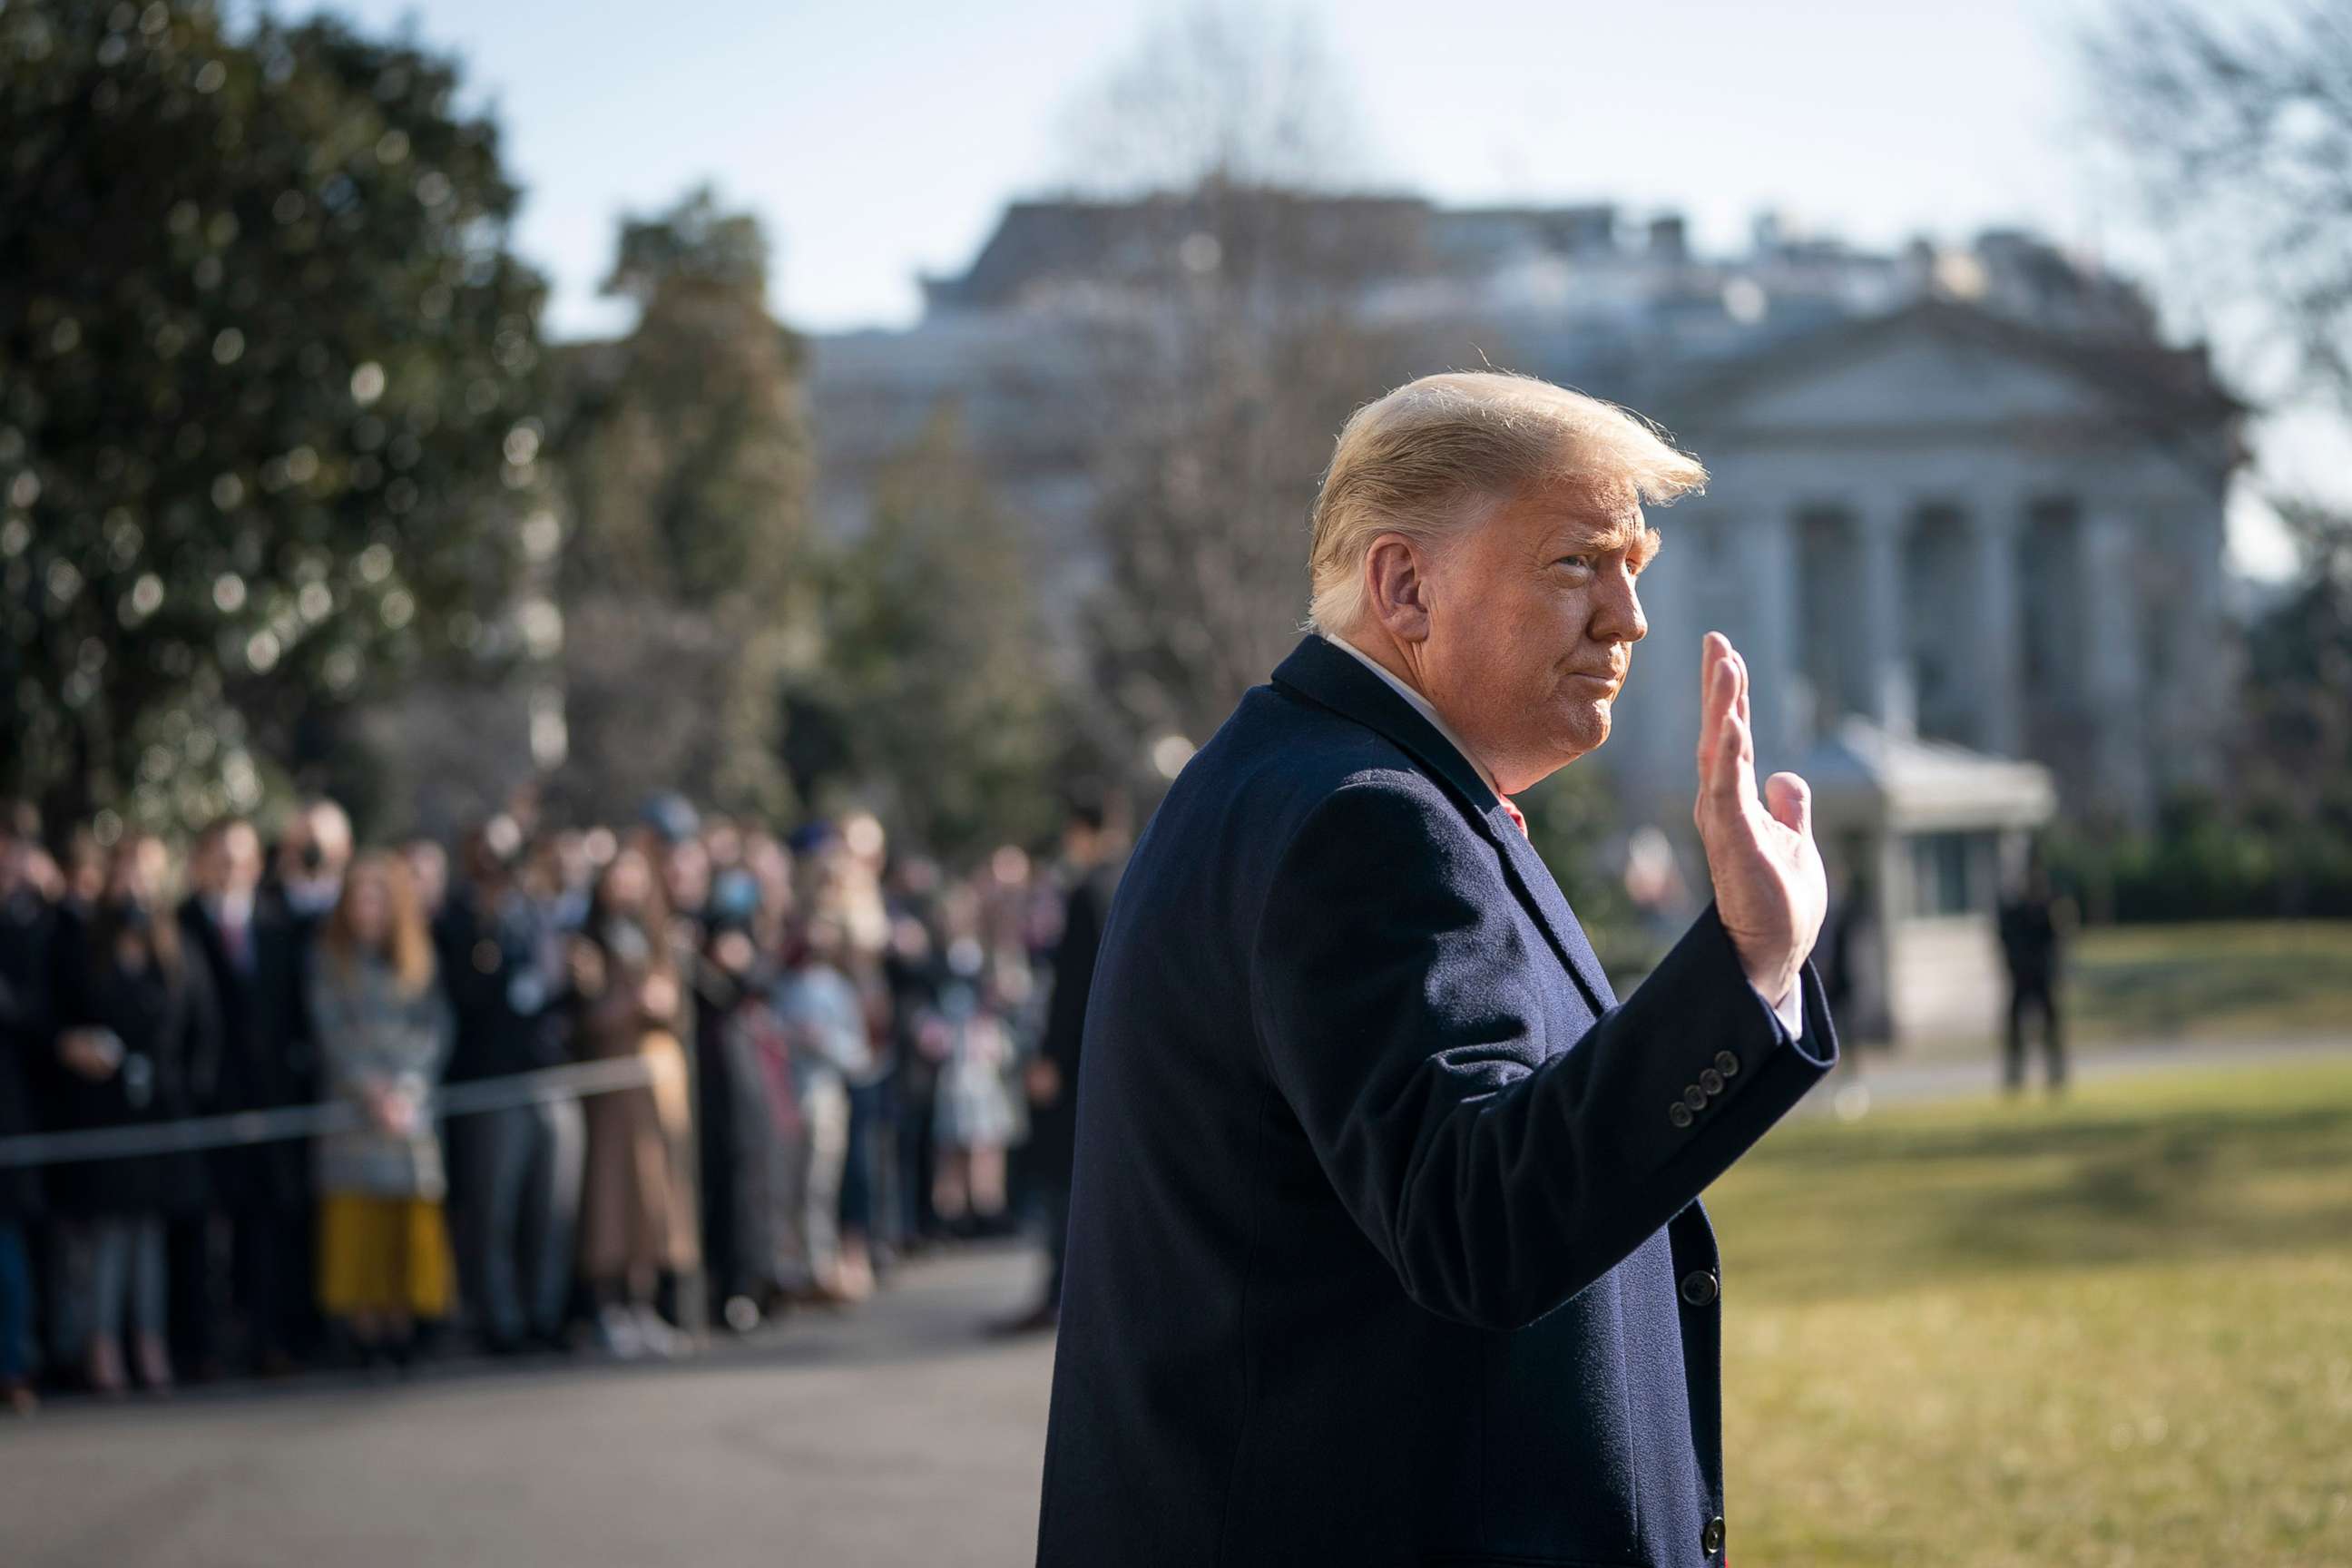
pixel 1913 381
pixel 1949 368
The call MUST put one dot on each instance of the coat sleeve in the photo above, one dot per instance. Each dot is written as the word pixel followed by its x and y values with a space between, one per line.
pixel 1398 1002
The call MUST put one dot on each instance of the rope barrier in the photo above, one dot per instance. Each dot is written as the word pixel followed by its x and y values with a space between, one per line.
pixel 571 1081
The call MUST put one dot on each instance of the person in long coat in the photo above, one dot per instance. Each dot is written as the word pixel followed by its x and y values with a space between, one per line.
pixel 256 958
pixel 1051 1076
pixel 1385 1240
pixel 383 1027
pixel 25 920
pixel 137 1043
pixel 516 1185
pixel 638 1208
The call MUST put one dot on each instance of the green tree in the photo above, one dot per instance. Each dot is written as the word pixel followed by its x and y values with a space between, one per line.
pixel 266 378
pixel 2294 777
pixel 686 465
pixel 934 700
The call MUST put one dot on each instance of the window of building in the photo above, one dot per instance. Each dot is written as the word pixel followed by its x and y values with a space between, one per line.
pixel 1950 873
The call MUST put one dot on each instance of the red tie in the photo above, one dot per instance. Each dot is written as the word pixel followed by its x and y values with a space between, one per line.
pixel 1515 815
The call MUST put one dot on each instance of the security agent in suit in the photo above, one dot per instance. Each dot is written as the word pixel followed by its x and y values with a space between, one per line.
pixel 1386 1245
pixel 1089 844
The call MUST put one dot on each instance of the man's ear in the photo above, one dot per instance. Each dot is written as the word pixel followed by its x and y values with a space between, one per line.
pixel 1396 588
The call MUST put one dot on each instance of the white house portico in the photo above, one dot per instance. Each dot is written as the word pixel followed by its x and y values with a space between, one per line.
pixel 1957 529
pixel 1976 570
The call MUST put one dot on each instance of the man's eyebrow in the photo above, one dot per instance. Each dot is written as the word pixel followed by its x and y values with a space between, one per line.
pixel 1616 534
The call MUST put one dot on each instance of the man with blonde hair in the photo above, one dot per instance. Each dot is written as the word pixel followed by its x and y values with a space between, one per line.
pixel 1385 1243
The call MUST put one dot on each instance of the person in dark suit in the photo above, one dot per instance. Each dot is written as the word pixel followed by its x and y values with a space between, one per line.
pixel 1385 1241
pixel 298 890
pixel 25 922
pixel 2030 925
pixel 137 1043
pixel 252 951
pixel 1088 848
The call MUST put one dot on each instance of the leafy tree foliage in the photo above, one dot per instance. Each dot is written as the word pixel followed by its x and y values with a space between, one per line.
pixel 932 700
pixel 267 380
pixel 685 464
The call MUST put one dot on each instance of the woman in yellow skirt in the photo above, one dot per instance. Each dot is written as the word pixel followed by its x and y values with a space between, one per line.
pixel 383 1030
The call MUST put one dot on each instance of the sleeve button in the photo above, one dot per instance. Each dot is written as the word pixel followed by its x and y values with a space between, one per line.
pixel 1699 1288
pixel 1694 1097
pixel 1710 1080
pixel 1727 1064
pixel 1679 1114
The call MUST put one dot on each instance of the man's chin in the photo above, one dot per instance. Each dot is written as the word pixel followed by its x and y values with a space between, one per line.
pixel 1584 727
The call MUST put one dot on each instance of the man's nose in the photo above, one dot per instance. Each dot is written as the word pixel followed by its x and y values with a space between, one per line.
pixel 1617 612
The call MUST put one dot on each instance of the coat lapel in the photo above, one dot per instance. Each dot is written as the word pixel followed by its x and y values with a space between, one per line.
pixel 1332 677
pixel 1537 886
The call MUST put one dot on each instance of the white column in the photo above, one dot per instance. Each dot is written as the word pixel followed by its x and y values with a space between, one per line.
pixel 1659 713
pixel 1886 663
pixel 2001 698
pixel 2204 655
pixel 2111 661
pixel 1773 665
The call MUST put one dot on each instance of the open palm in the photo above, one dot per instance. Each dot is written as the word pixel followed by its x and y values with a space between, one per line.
pixel 1770 887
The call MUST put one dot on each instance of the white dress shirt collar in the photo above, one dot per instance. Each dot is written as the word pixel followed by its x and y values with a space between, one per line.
pixel 1421 705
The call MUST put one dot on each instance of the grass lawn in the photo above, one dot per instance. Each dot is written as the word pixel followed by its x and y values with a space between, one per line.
pixel 2115 1332
pixel 2244 978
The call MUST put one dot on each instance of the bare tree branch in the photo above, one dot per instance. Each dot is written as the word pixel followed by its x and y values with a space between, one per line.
pixel 2239 131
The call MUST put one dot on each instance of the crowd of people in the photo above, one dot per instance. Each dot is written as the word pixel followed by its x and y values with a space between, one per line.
pixel 574 1089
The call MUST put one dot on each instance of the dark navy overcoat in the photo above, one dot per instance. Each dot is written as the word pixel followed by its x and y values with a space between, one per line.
pixel 1385 1243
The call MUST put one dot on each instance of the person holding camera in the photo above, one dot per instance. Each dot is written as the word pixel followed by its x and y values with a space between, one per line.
pixel 515 1191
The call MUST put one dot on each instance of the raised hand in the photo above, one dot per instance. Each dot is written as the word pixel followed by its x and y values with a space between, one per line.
pixel 1770 887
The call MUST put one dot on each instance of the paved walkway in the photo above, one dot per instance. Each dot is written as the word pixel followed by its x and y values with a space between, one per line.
pixel 1952 1077
pixel 899 1435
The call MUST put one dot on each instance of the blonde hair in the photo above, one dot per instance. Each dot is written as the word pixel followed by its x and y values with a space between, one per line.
pixel 1432 457
pixel 406 946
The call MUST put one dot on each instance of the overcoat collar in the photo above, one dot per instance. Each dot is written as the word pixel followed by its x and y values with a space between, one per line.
pixel 1332 677
pixel 1339 681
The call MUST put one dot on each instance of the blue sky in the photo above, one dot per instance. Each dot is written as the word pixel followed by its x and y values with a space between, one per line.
pixel 879 139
